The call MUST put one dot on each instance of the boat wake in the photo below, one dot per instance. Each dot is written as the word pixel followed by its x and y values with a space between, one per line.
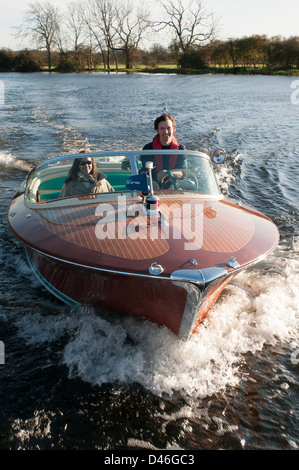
pixel 230 171
pixel 10 161
pixel 69 138
pixel 259 309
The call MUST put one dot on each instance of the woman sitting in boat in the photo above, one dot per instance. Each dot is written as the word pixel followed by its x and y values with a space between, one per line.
pixel 164 139
pixel 84 178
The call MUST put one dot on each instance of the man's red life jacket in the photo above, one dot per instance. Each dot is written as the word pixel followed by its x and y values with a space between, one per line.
pixel 158 161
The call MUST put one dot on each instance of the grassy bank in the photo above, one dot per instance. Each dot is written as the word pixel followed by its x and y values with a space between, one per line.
pixel 217 70
pixel 207 70
pixel 171 69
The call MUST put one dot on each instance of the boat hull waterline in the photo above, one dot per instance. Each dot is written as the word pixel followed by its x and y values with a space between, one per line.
pixel 164 268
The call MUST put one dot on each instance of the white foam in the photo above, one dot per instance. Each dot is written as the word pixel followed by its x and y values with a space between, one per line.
pixel 259 308
pixel 10 161
pixel 228 171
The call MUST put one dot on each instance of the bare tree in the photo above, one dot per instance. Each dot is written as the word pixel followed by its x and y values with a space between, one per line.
pixel 189 22
pixel 129 29
pixel 41 24
pixel 100 16
pixel 76 28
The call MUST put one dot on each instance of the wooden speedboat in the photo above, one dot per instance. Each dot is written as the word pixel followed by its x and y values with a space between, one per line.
pixel 165 256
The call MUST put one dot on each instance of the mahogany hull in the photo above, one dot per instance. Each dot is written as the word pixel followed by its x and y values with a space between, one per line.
pixel 113 274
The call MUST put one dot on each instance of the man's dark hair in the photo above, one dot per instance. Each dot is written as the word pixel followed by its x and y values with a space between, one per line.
pixel 164 117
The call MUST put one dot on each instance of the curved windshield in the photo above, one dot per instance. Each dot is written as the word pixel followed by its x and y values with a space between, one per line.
pixel 106 173
pixel 76 177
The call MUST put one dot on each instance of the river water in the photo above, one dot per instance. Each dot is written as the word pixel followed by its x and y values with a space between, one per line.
pixel 70 379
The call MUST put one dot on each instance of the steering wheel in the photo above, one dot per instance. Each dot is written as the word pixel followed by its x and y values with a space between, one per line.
pixel 189 182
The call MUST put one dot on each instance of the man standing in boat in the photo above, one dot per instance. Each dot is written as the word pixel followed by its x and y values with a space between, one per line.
pixel 164 139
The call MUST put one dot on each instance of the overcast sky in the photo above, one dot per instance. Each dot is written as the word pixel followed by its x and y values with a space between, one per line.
pixel 237 18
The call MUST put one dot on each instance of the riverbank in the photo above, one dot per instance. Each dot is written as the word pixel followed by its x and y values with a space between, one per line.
pixel 167 69
pixel 227 70
pixel 174 69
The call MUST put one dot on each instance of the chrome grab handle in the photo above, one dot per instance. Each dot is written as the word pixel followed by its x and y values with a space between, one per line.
pixel 155 269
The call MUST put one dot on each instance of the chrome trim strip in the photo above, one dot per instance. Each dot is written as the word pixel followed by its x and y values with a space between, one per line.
pixel 93 268
pixel 180 275
pixel 197 276
pixel 64 298
pixel 197 284
pixel 192 308
pixel 126 153
pixel 200 277
pixel 175 276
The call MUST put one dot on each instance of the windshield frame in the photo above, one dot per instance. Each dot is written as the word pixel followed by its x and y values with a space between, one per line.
pixel 132 156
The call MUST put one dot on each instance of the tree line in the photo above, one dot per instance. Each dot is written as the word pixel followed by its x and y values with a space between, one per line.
pixel 106 33
pixel 109 27
pixel 247 52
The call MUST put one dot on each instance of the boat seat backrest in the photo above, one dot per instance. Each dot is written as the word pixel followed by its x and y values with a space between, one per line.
pixel 49 190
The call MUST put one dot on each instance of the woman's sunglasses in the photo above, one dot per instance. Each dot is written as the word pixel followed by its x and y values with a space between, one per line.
pixel 85 163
